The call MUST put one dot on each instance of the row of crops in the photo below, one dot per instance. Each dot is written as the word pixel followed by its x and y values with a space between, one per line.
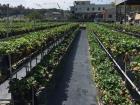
pixel 18 28
pixel 45 73
pixel 125 49
pixel 21 24
pixel 134 29
pixel 57 38
pixel 17 51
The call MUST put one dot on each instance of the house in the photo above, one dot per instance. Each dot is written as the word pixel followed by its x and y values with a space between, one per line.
pixel 85 10
pixel 54 15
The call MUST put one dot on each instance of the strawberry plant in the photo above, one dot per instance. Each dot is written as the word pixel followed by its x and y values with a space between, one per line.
pixel 43 74
pixel 22 47
pixel 112 90
pixel 118 47
pixel 123 27
pixel 18 28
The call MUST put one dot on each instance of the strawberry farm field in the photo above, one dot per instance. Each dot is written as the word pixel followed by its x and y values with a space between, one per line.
pixel 20 48
pixel 28 56
pixel 17 28
pixel 69 62
pixel 114 56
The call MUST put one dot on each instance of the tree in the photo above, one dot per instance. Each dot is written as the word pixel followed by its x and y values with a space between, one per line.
pixel 34 15
pixel 113 3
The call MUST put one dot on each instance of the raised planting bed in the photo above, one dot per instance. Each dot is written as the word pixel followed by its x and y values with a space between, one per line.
pixel 22 49
pixel 132 30
pixel 111 87
pixel 120 45
pixel 10 32
pixel 44 74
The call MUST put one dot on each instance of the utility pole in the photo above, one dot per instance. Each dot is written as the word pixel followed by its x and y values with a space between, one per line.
pixel 10 69
pixel 63 13
pixel 125 10
pixel 115 12
pixel 58 6
pixel 33 97
pixel 7 15
pixel 9 55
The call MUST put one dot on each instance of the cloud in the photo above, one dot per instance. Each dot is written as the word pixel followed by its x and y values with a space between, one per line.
pixel 13 2
pixel 64 4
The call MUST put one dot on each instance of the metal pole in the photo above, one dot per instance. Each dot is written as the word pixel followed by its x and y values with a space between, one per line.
pixel 125 71
pixel 30 63
pixel 116 12
pixel 122 71
pixel 10 64
pixel 42 52
pixel 125 9
pixel 33 96
pixel 10 69
pixel 7 20
pixel 36 60
pixel 116 15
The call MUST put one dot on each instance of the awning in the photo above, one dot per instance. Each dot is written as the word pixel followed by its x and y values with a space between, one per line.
pixel 128 2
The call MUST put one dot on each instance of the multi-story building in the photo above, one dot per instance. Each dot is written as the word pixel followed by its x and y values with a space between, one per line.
pixel 85 10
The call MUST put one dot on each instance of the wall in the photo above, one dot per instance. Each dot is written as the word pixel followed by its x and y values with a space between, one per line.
pixel 93 11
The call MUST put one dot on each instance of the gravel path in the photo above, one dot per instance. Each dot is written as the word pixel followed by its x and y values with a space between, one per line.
pixel 76 86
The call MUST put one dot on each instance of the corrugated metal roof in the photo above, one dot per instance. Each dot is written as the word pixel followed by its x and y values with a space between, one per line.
pixel 117 2
pixel 128 2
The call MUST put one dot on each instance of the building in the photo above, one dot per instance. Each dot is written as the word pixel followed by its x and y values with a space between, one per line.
pixel 85 10
pixel 57 14
pixel 15 17
pixel 53 15
pixel 128 10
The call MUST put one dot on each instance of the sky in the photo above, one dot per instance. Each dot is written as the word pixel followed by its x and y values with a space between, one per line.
pixel 64 4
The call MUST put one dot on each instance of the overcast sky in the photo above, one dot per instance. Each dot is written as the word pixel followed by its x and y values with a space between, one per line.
pixel 64 4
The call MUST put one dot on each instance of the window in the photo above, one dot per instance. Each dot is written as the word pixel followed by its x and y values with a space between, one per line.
pixel 77 3
pixel 100 15
pixel 93 9
pixel 83 3
pixel 110 16
pixel 76 9
pixel 103 8
pixel 99 8
pixel 87 9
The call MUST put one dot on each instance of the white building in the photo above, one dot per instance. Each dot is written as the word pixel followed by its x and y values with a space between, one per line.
pixel 95 12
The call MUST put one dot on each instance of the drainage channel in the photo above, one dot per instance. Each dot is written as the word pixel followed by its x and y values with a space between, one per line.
pixel 134 87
